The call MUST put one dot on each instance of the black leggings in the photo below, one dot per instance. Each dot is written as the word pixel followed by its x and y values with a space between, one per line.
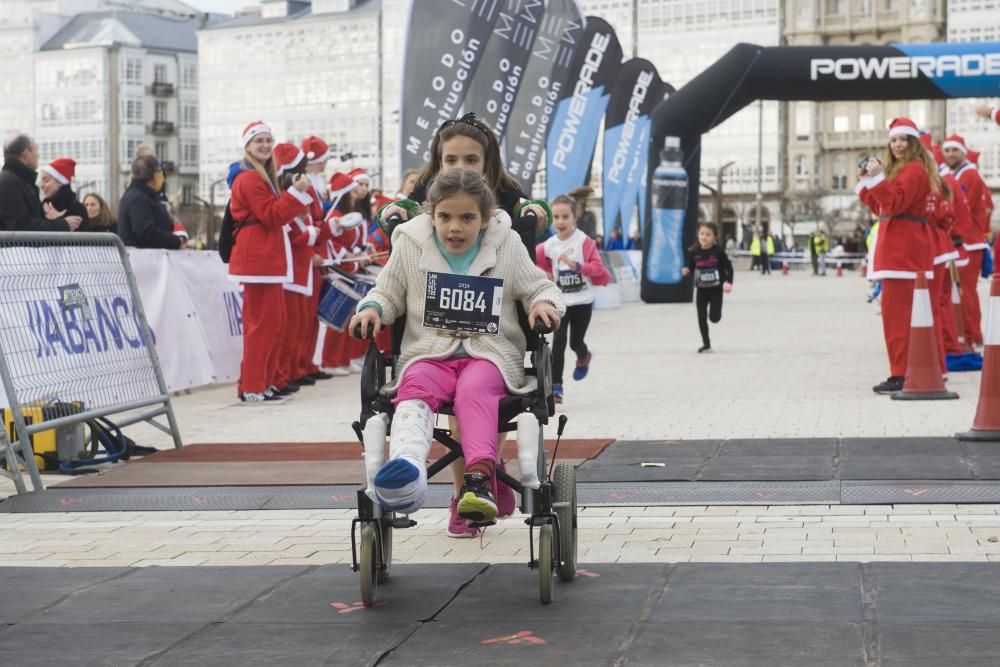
pixel 577 317
pixel 709 303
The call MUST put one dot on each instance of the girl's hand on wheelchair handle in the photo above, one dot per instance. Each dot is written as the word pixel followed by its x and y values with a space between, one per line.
pixel 392 210
pixel 546 312
pixel 537 210
pixel 367 319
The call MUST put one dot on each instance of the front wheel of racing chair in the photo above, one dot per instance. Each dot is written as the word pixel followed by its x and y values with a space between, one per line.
pixel 548 500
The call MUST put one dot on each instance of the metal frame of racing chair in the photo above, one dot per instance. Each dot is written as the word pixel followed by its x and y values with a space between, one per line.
pixel 551 507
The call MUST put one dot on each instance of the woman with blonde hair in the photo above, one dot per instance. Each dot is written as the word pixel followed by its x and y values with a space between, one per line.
pixel 262 257
pixel 897 190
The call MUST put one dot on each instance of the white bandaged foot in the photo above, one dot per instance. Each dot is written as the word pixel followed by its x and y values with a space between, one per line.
pixel 401 483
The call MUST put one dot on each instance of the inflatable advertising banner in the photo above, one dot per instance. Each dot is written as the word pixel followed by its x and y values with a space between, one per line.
pixel 544 79
pixel 495 86
pixel 750 72
pixel 580 108
pixel 635 93
pixel 445 43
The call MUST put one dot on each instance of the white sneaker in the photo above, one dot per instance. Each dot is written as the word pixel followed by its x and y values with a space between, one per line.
pixel 339 371
pixel 260 398
pixel 355 368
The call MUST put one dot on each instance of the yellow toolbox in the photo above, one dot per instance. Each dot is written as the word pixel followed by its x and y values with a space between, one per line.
pixel 54 445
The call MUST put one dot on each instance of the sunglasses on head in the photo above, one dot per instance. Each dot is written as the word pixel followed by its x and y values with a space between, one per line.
pixel 470 119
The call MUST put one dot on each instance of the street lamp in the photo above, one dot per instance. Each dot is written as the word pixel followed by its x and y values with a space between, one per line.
pixel 210 225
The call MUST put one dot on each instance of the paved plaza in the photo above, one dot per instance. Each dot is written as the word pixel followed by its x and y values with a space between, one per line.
pixel 795 357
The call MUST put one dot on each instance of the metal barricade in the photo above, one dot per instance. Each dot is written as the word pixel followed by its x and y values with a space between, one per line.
pixel 74 341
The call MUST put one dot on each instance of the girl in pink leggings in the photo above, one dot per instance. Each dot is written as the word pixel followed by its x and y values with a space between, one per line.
pixel 455 274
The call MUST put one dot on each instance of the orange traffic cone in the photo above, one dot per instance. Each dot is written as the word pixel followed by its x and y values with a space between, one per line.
pixel 923 360
pixel 956 305
pixel 986 425
pixel 784 267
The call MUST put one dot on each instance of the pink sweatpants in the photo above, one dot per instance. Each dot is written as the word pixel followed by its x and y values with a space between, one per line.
pixel 474 385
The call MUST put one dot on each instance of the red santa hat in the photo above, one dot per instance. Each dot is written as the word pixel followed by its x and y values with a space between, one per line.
pixel 286 157
pixel 973 157
pixel 927 141
pixel 340 185
pixel 62 169
pixel 255 128
pixel 903 127
pixel 316 150
pixel 359 175
pixel 956 141
pixel 180 231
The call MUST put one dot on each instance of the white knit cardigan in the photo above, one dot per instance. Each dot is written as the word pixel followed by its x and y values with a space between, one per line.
pixel 402 285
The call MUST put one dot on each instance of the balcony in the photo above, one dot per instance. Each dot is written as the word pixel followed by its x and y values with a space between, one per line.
pixel 168 166
pixel 162 89
pixel 853 139
pixel 162 128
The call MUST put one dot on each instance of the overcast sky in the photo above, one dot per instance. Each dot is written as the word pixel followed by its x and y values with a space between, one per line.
pixel 223 6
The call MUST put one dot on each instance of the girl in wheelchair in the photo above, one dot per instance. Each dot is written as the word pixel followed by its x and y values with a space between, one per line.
pixel 455 274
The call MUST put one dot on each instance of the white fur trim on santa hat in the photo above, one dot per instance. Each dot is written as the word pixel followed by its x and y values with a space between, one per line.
pixel 316 159
pixel 298 158
pixel 254 129
pixel 904 130
pixel 54 174
pixel 955 144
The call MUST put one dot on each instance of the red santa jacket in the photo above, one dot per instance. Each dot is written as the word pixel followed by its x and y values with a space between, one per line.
pixel 942 220
pixel 340 241
pixel 980 203
pixel 905 242
pixel 304 234
pixel 263 252
pixel 965 226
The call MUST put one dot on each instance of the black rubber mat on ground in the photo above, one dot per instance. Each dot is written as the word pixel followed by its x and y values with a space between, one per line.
pixel 151 499
pixel 805 459
pixel 461 614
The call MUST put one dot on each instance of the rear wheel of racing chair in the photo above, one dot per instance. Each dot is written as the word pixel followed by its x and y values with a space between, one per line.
pixel 564 504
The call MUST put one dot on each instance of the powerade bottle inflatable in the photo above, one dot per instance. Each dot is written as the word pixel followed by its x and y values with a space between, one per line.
pixel 664 256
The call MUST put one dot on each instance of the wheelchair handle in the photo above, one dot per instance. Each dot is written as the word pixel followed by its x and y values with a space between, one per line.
pixel 542 328
pixel 393 221
pixel 358 333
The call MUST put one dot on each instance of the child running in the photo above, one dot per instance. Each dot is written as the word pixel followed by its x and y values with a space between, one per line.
pixel 571 259
pixel 713 275
pixel 460 234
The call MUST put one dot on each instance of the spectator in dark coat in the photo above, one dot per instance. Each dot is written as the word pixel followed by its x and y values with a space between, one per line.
pixel 99 218
pixel 143 221
pixel 58 196
pixel 20 205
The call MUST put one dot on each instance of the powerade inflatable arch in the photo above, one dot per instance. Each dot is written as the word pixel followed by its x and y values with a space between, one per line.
pixel 750 72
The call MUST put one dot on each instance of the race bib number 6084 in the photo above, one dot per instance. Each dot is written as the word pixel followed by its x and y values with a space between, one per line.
pixel 463 304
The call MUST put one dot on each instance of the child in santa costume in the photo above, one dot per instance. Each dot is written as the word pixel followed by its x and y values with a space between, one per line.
pixel 897 190
pixel 981 206
pixel 262 257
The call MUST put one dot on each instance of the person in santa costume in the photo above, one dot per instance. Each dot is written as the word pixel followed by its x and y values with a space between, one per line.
pixel 262 257
pixel 317 154
pixel 981 205
pixel 897 190
pixel 303 235
pixel 347 223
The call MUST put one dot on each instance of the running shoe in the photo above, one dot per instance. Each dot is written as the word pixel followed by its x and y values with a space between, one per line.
pixel 890 386
pixel 557 393
pixel 476 501
pixel 457 526
pixel 582 366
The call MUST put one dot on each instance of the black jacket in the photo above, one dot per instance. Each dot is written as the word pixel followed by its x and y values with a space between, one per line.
pixel 20 207
pixel 65 200
pixel 143 222
pixel 700 259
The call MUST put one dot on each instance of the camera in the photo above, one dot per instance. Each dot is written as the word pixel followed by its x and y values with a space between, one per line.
pixel 863 163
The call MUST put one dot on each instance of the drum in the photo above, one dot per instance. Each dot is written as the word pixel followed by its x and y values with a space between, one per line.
pixel 337 302
pixel 363 284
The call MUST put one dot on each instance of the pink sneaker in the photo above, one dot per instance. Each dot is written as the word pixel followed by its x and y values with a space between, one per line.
pixel 506 500
pixel 457 527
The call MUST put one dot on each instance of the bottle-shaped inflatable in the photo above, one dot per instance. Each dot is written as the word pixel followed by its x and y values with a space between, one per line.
pixel 664 255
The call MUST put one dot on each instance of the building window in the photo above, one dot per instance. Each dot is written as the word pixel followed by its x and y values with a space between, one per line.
pixel 189 75
pixel 189 154
pixel 187 194
pixel 865 8
pixel 159 73
pixel 803 121
pixel 160 110
pixel 132 70
pixel 836 7
pixel 132 110
pixel 839 173
pixel 161 151
pixel 801 169
pixel 918 113
pixel 189 115
pixel 841 124
pixel 866 121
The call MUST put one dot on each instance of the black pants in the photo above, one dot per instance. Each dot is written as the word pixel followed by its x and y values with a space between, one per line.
pixel 577 318
pixel 815 263
pixel 709 303
pixel 765 263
